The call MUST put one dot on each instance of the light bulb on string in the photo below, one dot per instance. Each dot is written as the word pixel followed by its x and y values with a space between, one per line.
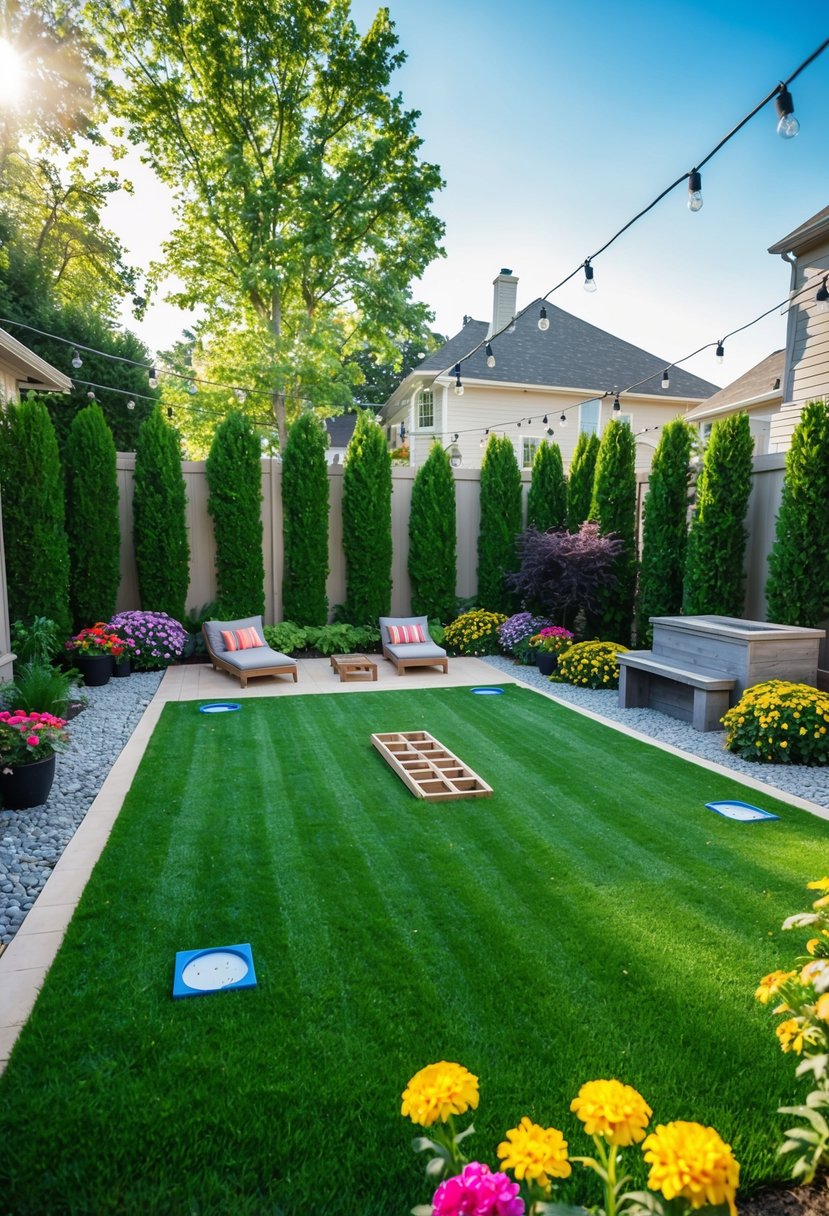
pixel 589 280
pixel 543 321
pixel 169 411
pixel 130 405
pixel 153 378
pixel 694 191
pixel 787 126
pixel 192 388
pixel 458 389
pixel 511 326
pixel 666 379
pixel 91 395
pixel 822 296
pixel 562 420
pixel 617 405
pixel 720 351
pixel 77 361
pixel 490 358
pixel 544 420
pixel 550 431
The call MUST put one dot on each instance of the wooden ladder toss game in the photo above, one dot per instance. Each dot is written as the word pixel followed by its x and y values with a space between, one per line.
pixel 428 768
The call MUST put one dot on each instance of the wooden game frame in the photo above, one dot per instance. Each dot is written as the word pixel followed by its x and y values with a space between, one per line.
pixel 428 768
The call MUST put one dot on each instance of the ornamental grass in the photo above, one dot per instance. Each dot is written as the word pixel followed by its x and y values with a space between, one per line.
pixel 780 723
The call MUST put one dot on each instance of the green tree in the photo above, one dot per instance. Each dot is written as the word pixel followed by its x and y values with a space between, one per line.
pixel 92 518
pixel 234 501
pixel 305 523
pixel 36 548
pixel 381 378
pixel 301 205
pixel 162 552
pixel 614 509
pixel 547 500
pixel 580 481
pixel 433 538
pixel 664 529
pixel 717 539
pixel 367 523
pixel 500 523
pixel 797 590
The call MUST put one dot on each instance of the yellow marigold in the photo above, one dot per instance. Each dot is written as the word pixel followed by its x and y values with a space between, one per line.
pixel 822 902
pixel 791 1035
pixel 820 884
pixel 692 1162
pixel 612 1110
pixel 770 984
pixel 438 1091
pixel 535 1153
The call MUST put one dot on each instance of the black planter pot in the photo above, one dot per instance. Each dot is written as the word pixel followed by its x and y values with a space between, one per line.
pixel 120 668
pixel 95 668
pixel 547 663
pixel 27 784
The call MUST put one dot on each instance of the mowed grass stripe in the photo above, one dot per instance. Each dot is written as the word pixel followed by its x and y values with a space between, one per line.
pixel 589 919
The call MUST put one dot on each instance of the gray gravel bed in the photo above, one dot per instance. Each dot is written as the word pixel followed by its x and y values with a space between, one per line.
pixel 32 841
pixel 804 782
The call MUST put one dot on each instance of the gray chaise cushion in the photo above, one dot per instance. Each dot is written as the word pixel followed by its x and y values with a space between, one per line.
pixel 244 660
pixel 410 650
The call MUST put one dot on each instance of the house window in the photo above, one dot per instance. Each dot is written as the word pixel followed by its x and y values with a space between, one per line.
pixel 425 410
pixel 705 431
pixel 589 418
pixel 529 449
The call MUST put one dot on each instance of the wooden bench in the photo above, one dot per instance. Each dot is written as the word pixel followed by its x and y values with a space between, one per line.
pixel 701 698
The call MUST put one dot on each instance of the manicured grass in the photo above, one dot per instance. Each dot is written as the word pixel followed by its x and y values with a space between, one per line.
pixel 591 919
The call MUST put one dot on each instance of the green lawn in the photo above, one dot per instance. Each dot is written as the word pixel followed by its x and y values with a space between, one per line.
pixel 590 919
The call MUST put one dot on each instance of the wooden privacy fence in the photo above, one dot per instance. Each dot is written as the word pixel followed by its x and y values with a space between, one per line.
pixel 764 503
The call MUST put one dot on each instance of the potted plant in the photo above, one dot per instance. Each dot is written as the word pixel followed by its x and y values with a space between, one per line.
pixel 28 745
pixel 548 644
pixel 154 639
pixel 94 650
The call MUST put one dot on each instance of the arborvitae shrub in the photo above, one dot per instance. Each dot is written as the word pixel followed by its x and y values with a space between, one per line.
pixel 159 505
pixel 234 479
pixel 92 522
pixel 547 500
pixel 580 481
pixel 614 510
pixel 797 590
pixel 432 538
pixel 37 551
pixel 500 523
pixel 717 540
pixel 367 523
pixel 664 529
pixel 305 523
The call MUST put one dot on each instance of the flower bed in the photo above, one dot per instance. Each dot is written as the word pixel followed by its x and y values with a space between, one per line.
pixel 475 633
pixel 153 639
pixel 591 664
pixel 780 723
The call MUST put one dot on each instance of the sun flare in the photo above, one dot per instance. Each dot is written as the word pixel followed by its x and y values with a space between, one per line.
pixel 12 76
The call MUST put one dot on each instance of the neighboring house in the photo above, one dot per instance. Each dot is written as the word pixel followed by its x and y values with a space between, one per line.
pixel 539 378
pixel 759 393
pixel 340 429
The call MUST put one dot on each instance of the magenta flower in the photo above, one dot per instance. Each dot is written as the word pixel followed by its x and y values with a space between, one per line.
pixel 32 741
pixel 477 1192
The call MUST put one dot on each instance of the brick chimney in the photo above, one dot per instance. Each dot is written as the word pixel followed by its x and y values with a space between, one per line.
pixel 504 295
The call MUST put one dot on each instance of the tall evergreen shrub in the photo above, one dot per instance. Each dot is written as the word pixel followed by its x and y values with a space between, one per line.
pixel 159 506
pixel 432 538
pixel 92 523
pixel 234 501
pixel 367 523
pixel 797 591
pixel 305 523
pixel 547 500
pixel 614 509
pixel 580 481
pixel 717 540
pixel 664 529
pixel 37 550
pixel 500 524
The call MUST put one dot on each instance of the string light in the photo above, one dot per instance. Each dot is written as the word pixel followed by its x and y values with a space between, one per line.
pixel 543 323
pixel 130 405
pixel 490 358
pixel 562 420
pixel 720 351
pixel 458 390
pixel 544 419
pixel 617 405
pixel 589 280
pixel 666 379
pixel 77 361
pixel 788 126
pixel 822 296
pixel 694 191
pixel 91 395
pixel 153 378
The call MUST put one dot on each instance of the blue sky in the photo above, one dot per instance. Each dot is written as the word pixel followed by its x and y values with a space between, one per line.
pixel 554 123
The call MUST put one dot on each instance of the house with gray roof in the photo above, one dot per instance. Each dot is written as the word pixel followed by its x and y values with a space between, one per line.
pixel 758 393
pixel 532 384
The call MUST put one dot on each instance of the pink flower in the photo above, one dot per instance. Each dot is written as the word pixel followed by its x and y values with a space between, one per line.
pixel 32 740
pixel 477 1192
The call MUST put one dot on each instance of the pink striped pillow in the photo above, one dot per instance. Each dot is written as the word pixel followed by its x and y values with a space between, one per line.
pixel 403 635
pixel 241 639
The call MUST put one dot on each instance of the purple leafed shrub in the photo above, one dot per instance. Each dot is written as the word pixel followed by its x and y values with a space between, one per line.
pixel 562 572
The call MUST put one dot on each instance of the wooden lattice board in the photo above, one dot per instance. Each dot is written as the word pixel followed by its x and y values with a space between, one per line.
pixel 429 769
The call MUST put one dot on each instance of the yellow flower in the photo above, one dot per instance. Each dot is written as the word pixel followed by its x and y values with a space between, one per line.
pixel 822 902
pixel 822 1007
pixel 535 1153
pixel 692 1162
pixel 612 1110
pixel 812 945
pixel 438 1091
pixel 791 1035
pixel 820 884
pixel 770 984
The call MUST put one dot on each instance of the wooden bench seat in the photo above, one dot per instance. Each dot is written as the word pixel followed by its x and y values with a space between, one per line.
pixel 647 681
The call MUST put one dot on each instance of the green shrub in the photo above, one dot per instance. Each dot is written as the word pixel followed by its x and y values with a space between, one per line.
pixel 39 688
pixel 92 519
pixel 717 539
pixel 500 523
pixel 591 664
pixel 305 522
pixel 36 548
pixel 342 638
pixel 432 537
pixel 614 510
pixel 780 723
pixel 367 523
pixel 664 529
pixel 287 637
pixel 162 552
pixel 234 478
pixel 797 591
pixel 547 499
pixel 580 482
pixel 474 633
pixel 39 642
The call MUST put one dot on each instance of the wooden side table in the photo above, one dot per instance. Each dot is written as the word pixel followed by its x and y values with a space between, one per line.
pixel 353 666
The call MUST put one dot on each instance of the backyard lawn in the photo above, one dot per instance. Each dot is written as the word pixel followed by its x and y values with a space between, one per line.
pixel 591 919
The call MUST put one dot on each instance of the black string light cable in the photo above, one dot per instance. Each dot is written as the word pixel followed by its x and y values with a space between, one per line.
pixel 780 91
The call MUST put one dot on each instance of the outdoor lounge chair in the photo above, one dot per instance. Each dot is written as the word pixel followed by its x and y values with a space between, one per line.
pixel 420 652
pixel 232 646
